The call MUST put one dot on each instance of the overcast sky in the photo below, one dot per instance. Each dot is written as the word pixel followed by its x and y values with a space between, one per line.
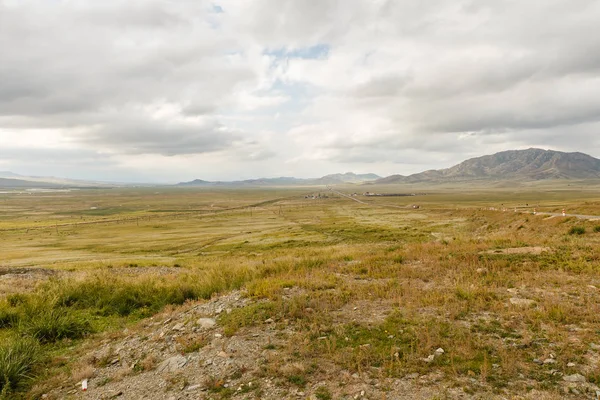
pixel 166 91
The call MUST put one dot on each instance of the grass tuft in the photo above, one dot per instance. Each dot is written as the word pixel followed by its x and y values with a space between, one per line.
pixel 577 230
pixel 51 325
pixel 17 357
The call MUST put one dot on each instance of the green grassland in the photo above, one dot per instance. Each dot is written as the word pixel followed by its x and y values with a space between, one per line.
pixel 445 275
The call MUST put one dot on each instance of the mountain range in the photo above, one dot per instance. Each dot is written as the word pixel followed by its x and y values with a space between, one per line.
pixel 512 165
pixel 508 166
pixel 333 179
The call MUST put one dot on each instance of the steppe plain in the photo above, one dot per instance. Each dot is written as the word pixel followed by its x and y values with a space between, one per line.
pixel 269 293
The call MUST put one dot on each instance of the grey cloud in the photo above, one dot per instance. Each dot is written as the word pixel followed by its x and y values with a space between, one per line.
pixel 490 72
pixel 401 79
pixel 103 67
pixel 144 136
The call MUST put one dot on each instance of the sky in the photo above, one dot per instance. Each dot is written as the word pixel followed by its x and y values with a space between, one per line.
pixel 169 91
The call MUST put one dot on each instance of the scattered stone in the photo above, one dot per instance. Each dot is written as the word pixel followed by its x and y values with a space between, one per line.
pixel 549 361
pixel 575 378
pixel 439 352
pixel 206 323
pixel 429 358
pixel 538 361
pixel 269 321
pixel 517 301
pixel 179 327
pixel 218 335
pixel 193 387
pixel 571 365
pixel 222 354
pixel 172 364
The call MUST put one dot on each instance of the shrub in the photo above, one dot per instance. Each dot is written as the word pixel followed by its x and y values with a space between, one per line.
pixel 17 357
pixel 577 230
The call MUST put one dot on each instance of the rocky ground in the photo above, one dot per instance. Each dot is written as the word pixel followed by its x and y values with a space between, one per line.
pixel 185 354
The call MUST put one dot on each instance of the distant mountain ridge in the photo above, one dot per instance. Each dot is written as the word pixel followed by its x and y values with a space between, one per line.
pixel 12 180
pixel 332 179
pixel 12 183
pixel 513 165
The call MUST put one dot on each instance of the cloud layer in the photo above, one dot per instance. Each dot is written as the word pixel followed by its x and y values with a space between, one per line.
pixel 243 88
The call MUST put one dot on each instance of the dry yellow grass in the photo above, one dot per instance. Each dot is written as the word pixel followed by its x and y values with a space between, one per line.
pixel 370 288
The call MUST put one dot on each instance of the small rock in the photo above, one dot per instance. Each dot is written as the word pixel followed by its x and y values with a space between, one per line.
pixel 439 352
pixel 269 321
pixel 482 271
pixel 576 378
pixel 571 365
pixel 172 364
pixel 218 335
pixel 549 361
pixel 516 301
pixel 594 346
pixel 538 361
pixel 222 354
pixel 179 327
pixel 429 358
pixel 193 387
pixel 495 366
pixel 206 323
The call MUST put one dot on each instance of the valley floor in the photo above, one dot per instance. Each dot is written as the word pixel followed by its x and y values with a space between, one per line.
pixel 268 294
